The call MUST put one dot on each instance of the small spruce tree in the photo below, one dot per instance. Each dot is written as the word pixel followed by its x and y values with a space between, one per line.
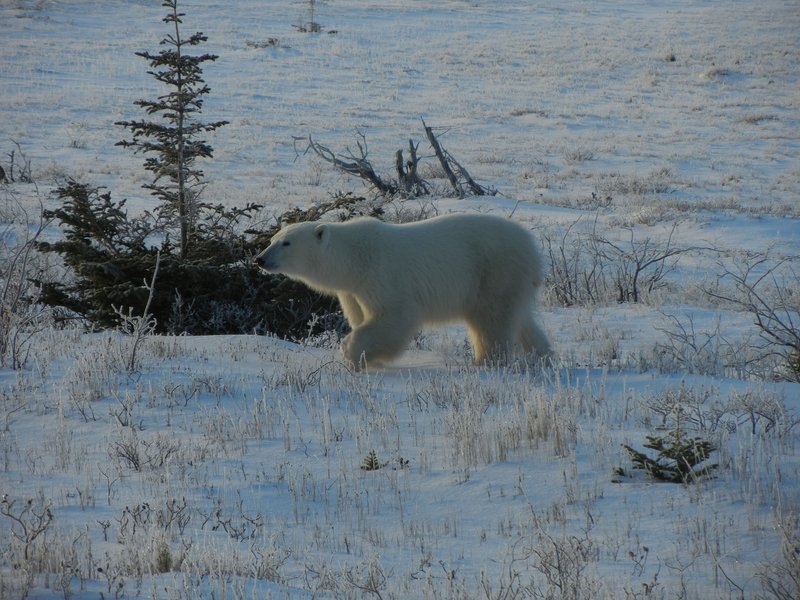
pixel 172 144
pixel 679 458
pixel 371 462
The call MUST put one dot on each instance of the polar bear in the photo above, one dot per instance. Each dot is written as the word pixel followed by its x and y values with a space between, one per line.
pixel 393 279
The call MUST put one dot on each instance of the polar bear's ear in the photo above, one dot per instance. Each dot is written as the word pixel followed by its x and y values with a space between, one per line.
pixel 321 231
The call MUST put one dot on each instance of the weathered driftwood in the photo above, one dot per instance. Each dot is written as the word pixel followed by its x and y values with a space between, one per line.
pixel 408 182
pixel 437 149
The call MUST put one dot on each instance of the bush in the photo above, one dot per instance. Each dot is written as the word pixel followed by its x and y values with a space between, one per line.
pixel 766 286
pixel 21 314
pixel 679 458
pixel 676 458
pixel 587 268
pixel 215 289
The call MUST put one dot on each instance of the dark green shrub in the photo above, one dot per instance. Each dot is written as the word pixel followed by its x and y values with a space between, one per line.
pixel 371 462
pixel 215 289
pixel 678 458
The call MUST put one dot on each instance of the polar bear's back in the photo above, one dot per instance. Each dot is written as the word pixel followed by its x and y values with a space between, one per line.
pixel 471 239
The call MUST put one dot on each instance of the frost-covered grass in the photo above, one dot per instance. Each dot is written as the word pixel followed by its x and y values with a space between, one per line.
pixel 245 467
pixel 237 465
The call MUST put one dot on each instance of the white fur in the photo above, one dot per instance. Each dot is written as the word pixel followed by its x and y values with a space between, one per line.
pixel 392 279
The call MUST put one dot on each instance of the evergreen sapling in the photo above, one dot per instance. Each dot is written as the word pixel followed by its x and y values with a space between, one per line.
pixel 172 144
pixel 679 459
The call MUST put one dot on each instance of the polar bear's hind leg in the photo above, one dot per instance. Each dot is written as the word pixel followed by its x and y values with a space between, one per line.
pixel 492 337
pixel 533 338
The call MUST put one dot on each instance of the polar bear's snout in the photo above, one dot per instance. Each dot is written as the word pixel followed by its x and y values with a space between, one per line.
pixel 266 261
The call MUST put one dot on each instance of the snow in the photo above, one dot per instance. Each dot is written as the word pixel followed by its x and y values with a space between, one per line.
pixel 493 482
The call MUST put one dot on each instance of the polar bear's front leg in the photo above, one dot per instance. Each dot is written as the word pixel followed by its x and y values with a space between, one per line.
pixel 352 309
pixel 378 340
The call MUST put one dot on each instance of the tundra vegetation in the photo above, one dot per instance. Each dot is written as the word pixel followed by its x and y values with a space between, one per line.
pixel 651 151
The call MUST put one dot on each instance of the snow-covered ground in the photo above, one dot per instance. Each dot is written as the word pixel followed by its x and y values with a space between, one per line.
pixel 234 466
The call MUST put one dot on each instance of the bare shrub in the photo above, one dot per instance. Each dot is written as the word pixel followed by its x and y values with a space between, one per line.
pixel 139 452
pixel 688 348
pixel 576 276
pixel 587 267
pixel 564 562
pixel 238 524
pixel 139 327
pixel 636 266
pixel 767 287
pixel 780 579
pixel 513 580
pixel 368 577
pixel 21 314
pixel 689 409
pixel 763 412
pixel 30 520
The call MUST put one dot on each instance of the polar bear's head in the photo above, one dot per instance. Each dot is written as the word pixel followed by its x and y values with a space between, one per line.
pixel 296 251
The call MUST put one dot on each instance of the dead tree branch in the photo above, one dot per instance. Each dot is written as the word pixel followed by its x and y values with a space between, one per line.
pixel 451 165
pixel 408 182
pixel 445 164
pixel 352 164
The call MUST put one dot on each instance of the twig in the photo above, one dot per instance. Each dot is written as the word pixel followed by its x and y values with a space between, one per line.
pixel 142 326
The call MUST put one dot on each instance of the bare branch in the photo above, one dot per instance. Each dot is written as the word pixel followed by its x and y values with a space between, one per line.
pixel 445 164
pixel 140 327
pixel 352 165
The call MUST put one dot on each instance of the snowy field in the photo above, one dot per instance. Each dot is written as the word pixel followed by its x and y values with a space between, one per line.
pixel 248 467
